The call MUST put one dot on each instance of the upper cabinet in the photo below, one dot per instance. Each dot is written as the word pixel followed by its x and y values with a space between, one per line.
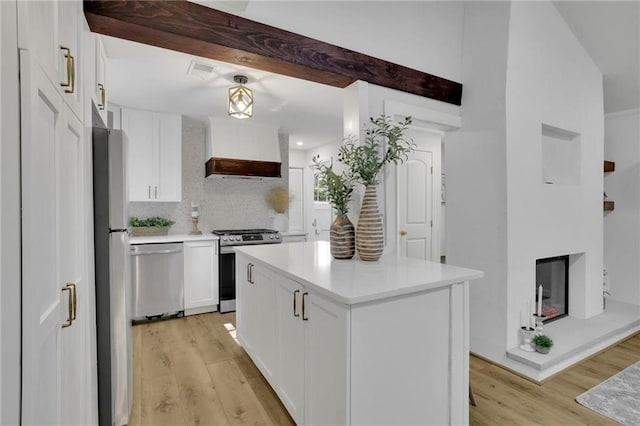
pixel 155 155
pixel 52 31
pixel 100 87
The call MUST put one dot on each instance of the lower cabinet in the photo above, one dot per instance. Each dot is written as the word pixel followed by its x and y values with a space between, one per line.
pixel 313 355
pixel 297 339
pixel 200 276
pixel 256 316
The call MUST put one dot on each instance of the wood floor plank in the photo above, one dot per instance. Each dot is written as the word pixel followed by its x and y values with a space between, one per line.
pixel 211 341
pixel 240 402
pixel 200 400
pixel 156 358
pixel 270 402
pixel 160 402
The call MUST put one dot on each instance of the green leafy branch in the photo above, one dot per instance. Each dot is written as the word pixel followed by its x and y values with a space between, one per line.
pixel 339 186
pixel 366 160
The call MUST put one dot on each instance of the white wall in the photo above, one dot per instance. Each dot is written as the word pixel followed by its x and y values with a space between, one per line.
pixel 552 80
pixel 522 67
pixel 9 219
pixel 622 226
pixel 476 175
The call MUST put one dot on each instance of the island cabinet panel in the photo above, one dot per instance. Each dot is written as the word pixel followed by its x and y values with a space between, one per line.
pixel 395 332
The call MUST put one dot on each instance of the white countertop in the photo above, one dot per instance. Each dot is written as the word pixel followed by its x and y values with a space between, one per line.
pixel 176 238
pixel 356 281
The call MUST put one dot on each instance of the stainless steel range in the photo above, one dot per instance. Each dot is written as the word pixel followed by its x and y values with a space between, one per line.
pixel 229 238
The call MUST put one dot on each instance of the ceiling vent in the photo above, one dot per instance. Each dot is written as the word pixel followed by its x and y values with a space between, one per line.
pixel 200 71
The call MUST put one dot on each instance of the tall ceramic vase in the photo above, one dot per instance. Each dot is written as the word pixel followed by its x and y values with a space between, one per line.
pixel 369 235
pixel 342 238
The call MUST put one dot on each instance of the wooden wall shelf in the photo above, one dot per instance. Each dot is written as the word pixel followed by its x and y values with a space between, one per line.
pixel 609 166
pixel 609 205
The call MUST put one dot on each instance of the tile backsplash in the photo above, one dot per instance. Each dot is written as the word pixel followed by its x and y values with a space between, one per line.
pixel 224 202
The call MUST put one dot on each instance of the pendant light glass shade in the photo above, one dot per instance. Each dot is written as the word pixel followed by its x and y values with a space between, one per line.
pixel 240 99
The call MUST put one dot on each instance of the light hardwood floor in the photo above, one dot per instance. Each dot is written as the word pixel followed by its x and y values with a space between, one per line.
pixel 191 371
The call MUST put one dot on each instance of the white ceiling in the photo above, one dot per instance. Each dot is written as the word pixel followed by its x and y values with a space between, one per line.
pixel 609 32
pixel 148 77
pixel 152 78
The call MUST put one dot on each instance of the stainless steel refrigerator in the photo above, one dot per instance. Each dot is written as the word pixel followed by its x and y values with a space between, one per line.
pixel 113 275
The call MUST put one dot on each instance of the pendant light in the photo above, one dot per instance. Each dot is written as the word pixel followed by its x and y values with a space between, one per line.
pixel 240 99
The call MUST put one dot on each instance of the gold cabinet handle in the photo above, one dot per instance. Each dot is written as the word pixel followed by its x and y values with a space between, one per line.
pixel 403 232
pixel 70 313
pixel 71 71
pixel 250 273
pixel 295 308
pixel 74 299
pixel 304 314
pixel 156 191
pixel 103 99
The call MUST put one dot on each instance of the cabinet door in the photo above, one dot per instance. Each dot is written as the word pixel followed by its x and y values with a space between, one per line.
pixel 168 136
pixel 290 381
pixel 38 32
pixel 265 320
pixel 326 361
pixel 70 69
pixel 138 126
pixel 100 77
pixel 245 300
pixel 256 314
pixel 200 275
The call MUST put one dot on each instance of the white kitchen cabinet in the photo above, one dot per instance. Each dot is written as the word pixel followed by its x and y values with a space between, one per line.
pixel 255 285
pixel 200 277
pixel 99 93
pixel 312 351
pixel 309 342
pixel 52 31
pixel 155 155
pixel 367 331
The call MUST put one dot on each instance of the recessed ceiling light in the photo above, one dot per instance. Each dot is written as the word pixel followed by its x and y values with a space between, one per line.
pixel 299 143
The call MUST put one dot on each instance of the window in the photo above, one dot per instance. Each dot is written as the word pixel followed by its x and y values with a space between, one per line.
pixel 319 192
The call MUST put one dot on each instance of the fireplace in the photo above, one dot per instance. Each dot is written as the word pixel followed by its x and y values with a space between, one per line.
pixel 553 275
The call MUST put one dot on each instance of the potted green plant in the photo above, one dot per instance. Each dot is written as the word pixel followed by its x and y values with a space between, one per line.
pixel 149 226
pixel 339 188
pixel 542 343
pixel 384 142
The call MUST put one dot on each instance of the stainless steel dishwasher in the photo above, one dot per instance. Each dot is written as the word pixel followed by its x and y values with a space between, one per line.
pixel 158 280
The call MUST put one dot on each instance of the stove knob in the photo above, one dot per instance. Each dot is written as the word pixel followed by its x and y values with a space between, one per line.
pixel 224 238
pixel 238 238
pixel 271 236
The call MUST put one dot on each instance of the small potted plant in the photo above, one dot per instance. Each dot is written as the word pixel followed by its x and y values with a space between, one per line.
pixel 543 343
pixel 339 189
pixel 149 226
pixel 384 143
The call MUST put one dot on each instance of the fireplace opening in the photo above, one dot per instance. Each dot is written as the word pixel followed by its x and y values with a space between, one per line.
pixel 553 275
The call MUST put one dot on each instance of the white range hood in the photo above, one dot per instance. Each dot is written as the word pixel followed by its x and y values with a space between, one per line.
pixel 242 148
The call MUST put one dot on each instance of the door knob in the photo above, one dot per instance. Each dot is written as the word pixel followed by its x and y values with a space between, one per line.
pixel 403 232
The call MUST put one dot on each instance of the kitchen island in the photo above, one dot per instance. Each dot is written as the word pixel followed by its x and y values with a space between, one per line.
pixel 354 342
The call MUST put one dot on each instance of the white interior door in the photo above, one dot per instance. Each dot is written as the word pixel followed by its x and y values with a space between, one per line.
pixel 415 205
pixel 296 208
pixel 44 305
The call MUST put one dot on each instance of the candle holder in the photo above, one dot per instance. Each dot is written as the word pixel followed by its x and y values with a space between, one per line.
pixel 527 335
pixel 195 230
pixel 539 323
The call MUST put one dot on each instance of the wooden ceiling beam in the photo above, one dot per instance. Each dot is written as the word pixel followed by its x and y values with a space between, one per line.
pixel 202 31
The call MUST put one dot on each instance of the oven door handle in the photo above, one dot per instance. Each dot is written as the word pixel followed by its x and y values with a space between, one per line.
pixel 227 250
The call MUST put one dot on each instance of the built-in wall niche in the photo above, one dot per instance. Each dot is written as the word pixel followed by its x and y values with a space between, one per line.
pixel 561 163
